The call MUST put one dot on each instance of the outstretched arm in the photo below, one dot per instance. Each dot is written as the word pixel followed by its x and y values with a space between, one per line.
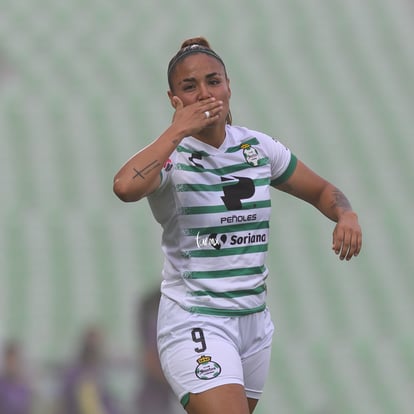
pixel 308 186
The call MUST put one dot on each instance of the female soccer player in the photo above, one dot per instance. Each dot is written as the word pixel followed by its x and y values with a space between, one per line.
pixel 208 184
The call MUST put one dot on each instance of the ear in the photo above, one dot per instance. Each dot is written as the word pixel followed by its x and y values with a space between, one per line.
pixel 171 96
pixel 176 102
pixel 228 87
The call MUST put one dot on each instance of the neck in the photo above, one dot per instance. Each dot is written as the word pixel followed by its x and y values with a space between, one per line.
pixel 213 135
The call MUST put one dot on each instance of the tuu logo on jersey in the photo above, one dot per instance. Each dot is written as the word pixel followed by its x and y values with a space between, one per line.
pixel 217 242
pixel 210 240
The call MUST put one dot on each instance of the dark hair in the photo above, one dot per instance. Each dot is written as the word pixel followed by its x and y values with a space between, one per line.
pixel 189 47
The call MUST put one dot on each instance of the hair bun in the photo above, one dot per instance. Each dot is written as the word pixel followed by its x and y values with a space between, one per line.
pixel 202 41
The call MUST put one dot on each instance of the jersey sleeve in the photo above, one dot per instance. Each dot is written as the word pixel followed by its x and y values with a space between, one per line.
pixel 288 171
pixel 165 173
pixel 282 161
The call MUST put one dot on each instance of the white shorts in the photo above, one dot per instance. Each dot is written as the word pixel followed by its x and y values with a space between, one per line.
pixel 199 352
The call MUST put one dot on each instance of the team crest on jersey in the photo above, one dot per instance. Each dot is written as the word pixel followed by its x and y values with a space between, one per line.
pixel 206 368
pixel 250 154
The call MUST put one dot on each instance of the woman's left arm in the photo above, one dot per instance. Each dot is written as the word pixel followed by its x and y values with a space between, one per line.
pixel 309 186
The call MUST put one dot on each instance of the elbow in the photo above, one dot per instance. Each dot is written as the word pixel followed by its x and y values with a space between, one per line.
pixel 124 193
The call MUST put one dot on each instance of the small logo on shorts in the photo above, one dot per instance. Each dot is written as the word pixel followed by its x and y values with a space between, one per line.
pixel 206 368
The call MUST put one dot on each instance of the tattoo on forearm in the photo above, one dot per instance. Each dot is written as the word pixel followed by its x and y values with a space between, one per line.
pixel 339 200
pixel 146 170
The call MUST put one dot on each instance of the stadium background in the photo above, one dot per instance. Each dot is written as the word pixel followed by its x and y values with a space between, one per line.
pixel 83 86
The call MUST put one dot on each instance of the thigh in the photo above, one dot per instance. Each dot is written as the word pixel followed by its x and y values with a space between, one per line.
pixel 257 333
pixel 197 352
pixel 229 399
pixel 256 370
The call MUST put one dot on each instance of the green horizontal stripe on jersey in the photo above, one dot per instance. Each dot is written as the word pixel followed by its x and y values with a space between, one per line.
pixel 221 171
pixel 231 251
pixel 213 274
pixel 254 225
pixel 289 171
pixel 217 187
pixel 250 141
pixel 226 312
pixel 223 209
pixel 230 294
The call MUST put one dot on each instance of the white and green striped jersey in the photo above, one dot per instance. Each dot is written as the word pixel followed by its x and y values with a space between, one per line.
pixel 214 208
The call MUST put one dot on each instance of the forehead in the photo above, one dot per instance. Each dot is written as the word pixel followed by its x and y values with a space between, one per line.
pixel 198 64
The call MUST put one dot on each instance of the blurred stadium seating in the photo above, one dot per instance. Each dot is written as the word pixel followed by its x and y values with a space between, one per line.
pixel 83 86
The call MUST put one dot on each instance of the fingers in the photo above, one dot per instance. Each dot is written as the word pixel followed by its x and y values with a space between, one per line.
pixel 211 110
pixel 211 105
pixel 196 116
pixel 177 103
pixel 201 107
pixel 347 242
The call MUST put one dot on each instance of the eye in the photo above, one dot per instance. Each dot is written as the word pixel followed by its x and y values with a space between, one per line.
pixel 188 87
pixel 214 81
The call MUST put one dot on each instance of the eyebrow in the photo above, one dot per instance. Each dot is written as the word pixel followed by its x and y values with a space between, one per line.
pixel 208 76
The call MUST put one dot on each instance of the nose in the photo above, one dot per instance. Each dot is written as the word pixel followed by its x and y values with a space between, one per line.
pixel 204 92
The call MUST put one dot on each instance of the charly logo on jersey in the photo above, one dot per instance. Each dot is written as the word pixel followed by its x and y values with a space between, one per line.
pixel 206 368
pixel 250 154
pixel 167 165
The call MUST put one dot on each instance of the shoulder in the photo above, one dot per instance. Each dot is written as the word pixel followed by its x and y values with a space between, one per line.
pixel 241 133
pixel 253 140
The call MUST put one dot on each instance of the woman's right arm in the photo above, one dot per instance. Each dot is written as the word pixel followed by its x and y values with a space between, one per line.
pixel 140 175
